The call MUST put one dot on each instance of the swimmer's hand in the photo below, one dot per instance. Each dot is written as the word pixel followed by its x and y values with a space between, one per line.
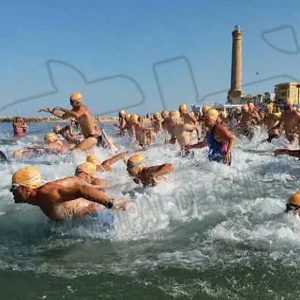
pixel 188 147
pixel 149 180
pixel 280 152
pixel 227 158
pixel 47 110
pixel 120 204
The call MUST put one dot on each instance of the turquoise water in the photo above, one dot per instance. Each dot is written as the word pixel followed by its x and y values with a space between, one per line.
pixel 208 232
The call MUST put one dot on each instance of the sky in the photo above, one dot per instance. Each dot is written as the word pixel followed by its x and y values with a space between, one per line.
pixel 141 55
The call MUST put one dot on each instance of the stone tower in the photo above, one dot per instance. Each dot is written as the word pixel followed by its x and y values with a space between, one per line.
pixel 235 93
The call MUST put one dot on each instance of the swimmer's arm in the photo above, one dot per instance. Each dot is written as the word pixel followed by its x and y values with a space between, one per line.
pixel 71 113
pixel 112 160
pixel 160 170
pixel 227 135
pixel 294 153
pixel 93 194
pixel 199 145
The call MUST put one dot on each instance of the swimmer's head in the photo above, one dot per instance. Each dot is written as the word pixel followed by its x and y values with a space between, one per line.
pixel 205 109
pixel 211 117
pixel 127 117
pixel 245 108
pixel 122 113
pixel 293 203
pixel 165 114
pixel 183 109
pixel 86 168
pixel 134 118
pixel 156 116
pixel 76 99
pixel 56 129
pixel 175 116
pixel 51 137
pixel 24 181
pixel 93 159
pixel 135 164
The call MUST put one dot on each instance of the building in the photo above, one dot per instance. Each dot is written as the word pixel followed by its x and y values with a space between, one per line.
pixel 288 91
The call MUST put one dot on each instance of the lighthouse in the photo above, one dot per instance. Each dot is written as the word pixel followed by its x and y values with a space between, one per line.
pixel 235 93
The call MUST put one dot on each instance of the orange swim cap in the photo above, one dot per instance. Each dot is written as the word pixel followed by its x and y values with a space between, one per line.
pixel 92 159
pixel 86 167
pixel 76 96
pixel 51 137
pixel 29 177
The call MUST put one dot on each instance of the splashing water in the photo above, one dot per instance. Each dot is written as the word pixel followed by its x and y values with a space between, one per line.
pixel 208 232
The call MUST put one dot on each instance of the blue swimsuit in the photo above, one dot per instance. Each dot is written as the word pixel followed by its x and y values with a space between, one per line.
pixel 216 150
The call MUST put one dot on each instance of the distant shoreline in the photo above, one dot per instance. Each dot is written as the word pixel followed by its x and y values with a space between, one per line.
pixel 34 119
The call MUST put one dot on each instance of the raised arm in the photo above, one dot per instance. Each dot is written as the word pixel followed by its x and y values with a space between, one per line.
pixel 160 170
pixel 108 162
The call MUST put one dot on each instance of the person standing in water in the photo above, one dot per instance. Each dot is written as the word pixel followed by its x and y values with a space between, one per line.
pixel 218 139
pixel 92 134
pixel 20 127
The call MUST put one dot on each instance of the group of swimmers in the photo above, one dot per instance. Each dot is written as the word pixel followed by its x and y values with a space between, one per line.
pixel 84 194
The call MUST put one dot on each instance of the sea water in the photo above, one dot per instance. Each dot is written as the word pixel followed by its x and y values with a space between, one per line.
pixel 208 232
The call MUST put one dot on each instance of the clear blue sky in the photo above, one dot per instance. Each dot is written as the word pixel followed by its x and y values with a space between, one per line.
pixel 103 39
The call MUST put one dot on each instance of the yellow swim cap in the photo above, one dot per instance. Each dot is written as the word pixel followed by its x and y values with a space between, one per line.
pixel 175 114
pixel 86 167
pixel 183 108
pixel 134 118
pixel 76 96
pixel 212 114
pixel 93 159
pixel 29 177
pixel 134 163
pixel 156 115
pixel 127 117
pixel 51 137
pixel 205 109
pixel 165 114
pixel 122 113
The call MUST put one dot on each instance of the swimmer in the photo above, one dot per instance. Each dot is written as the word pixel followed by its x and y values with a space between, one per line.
pixel 187 117
pixel 218 139
pixel 166 123
pixel 52 145
pixel 60 199
pixel 105 166
pixel 143 135
pixel 293 204
pixel 270 121
pixel 68 133
pixel 156 123
pixel 250 118
pixel 89 129
pixel 122 122
pixel 19 126
pixel 181 132
pixel 290 121
pixel 148 176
